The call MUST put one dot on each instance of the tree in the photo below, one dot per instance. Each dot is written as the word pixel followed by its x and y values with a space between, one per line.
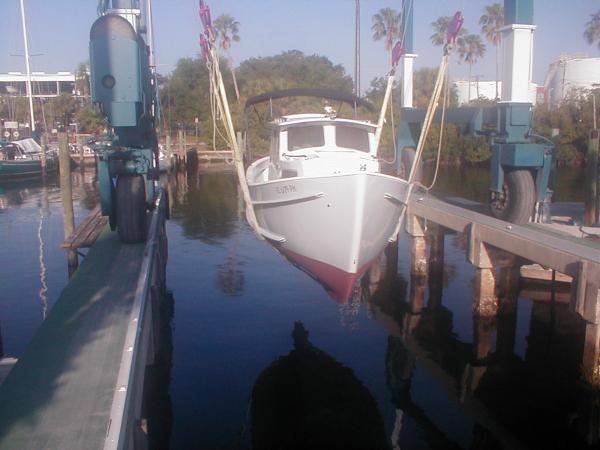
pixel 440 27
pixel 470 50
pixel 82 80
pixel 227 29
pixel 491 22
pixel 387 25
pixel 592 29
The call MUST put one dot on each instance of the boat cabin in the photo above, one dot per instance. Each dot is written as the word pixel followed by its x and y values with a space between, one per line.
pixel 321 144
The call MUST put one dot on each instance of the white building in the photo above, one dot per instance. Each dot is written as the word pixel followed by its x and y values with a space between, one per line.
pixel 571 75
pixel 43 84
pixel 485 90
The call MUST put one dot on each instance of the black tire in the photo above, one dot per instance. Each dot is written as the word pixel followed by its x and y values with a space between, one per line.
pixel 131 208
pixel 407 159
pixel 516 202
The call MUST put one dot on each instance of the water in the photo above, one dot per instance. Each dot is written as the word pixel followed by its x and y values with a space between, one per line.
pixel 422 380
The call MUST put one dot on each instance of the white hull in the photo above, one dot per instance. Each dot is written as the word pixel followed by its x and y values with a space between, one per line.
pixel 332 226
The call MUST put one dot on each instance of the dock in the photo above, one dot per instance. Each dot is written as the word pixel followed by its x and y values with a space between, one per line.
pixel 498 251
pixel 79 383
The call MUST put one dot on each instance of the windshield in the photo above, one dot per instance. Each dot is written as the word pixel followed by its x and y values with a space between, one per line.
pixel 305 137
pixel 352 137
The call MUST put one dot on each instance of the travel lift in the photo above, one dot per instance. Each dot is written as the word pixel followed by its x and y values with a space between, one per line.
pixel 521 166
pixel 123 85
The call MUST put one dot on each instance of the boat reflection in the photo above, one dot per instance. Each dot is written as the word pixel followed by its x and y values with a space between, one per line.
pixel 308 400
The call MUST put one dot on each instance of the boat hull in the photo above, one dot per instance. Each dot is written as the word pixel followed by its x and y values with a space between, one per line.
pixel 333 227
pixel 25 168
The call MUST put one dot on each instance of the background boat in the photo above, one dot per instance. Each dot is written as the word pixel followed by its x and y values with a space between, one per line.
pixel 19 159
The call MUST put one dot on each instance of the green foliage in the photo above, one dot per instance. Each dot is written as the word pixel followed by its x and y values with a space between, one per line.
pixel 288 70
pixel 60 109
pixel 574 119
pixel 90 120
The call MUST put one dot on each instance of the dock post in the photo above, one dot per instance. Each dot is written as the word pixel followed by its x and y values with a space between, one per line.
pixel 436 265
pixel 418 249
pixel 485 302
pixel 591 354
pixel 181 147
pixel 66 190
pixel 590 216
pixel 508 295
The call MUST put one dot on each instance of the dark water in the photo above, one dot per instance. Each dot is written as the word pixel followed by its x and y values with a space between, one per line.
pixel 260 352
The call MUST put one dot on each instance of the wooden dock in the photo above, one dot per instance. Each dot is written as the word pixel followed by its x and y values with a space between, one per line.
pixel 499 249
pixel 79 383
pixel 88 231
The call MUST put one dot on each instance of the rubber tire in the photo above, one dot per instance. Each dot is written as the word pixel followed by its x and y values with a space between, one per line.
pixel 131 208
pixel 519 188
pixel 407 159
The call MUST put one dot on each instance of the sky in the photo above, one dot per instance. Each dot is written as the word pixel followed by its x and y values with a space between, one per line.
pixel 59 32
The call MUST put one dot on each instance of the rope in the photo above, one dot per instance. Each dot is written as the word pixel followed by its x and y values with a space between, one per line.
pixel 217 89
pixel 442 122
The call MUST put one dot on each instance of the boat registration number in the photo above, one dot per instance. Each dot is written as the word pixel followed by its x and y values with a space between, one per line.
pixel 286 189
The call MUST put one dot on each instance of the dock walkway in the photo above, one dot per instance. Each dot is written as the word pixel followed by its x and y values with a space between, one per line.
pixel 64 390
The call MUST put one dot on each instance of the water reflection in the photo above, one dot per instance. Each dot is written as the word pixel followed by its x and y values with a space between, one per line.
pixel 44 213
pixel 205 205
pixel 308 400
pixel 157 406
pixel 507 401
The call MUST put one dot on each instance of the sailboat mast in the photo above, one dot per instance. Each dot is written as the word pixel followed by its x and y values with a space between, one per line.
pixel 357 51
pixel 28 67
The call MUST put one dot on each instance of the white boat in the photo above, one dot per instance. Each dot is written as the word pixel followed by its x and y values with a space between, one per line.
pixel 321 198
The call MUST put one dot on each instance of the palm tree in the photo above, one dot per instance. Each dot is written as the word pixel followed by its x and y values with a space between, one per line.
pixel 227 29
pixel 592 29
pixel 387 25
pixel 491 22
pixel 440 29
pixel 470 50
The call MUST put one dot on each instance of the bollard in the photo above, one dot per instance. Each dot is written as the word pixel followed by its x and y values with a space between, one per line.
pixel 66 189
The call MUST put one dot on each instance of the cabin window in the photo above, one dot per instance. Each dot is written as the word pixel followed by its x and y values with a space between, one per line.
pixel 305 137
pixel 352 137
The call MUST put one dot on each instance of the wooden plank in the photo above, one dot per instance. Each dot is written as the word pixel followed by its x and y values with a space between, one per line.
pixel 539 273
pixel 88 231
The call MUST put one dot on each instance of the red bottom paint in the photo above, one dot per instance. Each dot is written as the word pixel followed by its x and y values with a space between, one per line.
pixel 338 283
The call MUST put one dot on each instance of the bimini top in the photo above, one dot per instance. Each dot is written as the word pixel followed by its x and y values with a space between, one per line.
pixel 310 92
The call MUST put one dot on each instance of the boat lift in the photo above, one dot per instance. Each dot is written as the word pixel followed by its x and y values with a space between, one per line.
pixel 522 163
pixel 123 85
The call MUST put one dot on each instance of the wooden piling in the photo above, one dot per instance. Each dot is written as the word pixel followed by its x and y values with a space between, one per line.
pixel 485 302
pixel 591 354
pixel 590 216
pixel 44 141
pixel 66 188
pixel 508 295
pixel 418 246
pixel 436 265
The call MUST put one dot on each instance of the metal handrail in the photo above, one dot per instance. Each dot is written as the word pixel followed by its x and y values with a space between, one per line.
pixel 119 427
